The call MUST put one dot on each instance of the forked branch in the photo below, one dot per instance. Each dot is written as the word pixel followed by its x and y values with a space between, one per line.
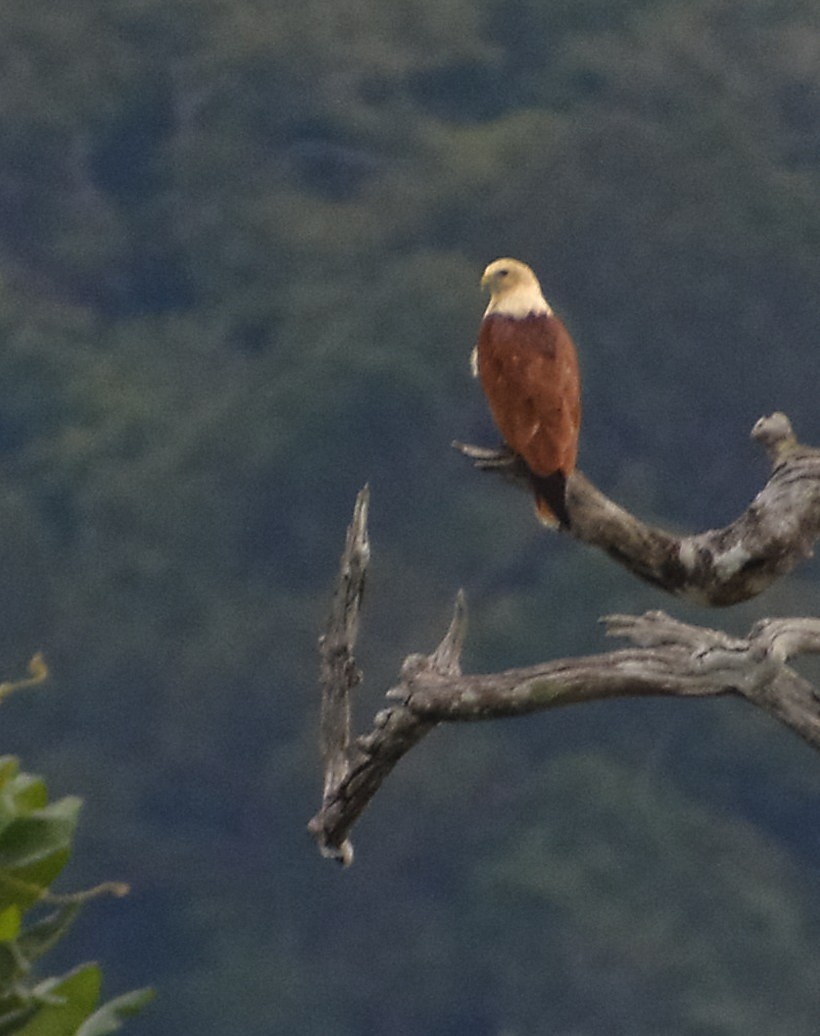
pixel 717 567
pixel 667 658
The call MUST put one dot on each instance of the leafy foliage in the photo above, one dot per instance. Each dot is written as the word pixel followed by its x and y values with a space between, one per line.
pixel 35 844
pixel 239 247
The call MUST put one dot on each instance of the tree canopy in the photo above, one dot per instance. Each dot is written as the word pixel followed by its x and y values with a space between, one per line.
pixel 239 253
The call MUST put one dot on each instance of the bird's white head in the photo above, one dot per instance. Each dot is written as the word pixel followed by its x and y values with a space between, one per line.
pixel 514 289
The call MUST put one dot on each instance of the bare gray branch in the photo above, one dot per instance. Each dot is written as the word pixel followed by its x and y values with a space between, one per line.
pixel 717 567
pixel 668 657
pixel 339 674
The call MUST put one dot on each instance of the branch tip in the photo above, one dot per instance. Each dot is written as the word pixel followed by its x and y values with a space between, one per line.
pixel 37 673
pixel 360 512
pixel 446 657
pixel 342 854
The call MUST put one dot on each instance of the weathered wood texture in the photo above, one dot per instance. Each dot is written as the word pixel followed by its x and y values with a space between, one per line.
pixel 667 657
pixel 338 673
pixel 717 567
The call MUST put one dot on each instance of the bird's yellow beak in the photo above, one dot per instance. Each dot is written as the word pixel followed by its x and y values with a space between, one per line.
pixel 486 281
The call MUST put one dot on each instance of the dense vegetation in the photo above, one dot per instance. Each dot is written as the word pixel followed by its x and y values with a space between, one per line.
pixel 36 838
pixel 239 253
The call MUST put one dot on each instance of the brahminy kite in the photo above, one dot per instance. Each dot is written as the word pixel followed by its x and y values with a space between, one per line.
pixel 528 369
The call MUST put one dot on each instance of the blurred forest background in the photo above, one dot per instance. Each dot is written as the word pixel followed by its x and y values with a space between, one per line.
pixel 240 244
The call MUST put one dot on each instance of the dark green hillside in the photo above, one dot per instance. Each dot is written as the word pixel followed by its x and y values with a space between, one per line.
pixel 240 245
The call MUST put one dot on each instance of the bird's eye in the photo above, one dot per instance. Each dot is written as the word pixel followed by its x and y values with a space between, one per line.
pixel 503 273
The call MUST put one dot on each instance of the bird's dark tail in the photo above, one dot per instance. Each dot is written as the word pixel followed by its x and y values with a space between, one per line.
pixel 550 499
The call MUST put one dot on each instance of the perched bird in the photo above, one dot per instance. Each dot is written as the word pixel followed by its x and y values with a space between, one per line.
pixel 526 362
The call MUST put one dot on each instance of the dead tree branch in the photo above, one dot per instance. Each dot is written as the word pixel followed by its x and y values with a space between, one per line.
pixel 717 567
pixel 667 658
pixel 339 674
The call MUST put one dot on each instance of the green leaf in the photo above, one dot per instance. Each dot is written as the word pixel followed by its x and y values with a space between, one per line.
pixel 35 837
pixel 110 1016
pixel 29 793
pixel 9 768
pixel 10 923
pixel 10 969
pixel 26 885
pixel 41 936
pixel 12 1021
pixel 34 849
pixel 69 1003
pixel 35 844
pixel 21 794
